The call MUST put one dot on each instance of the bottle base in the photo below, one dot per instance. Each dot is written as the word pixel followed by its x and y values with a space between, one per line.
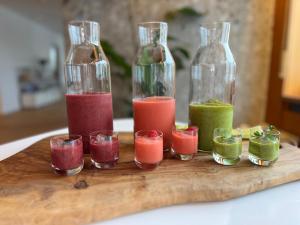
pixel 104 165
pixel 260 162
pixel 146 166
pixel 225 161
pixel 69 172
pixel 183 157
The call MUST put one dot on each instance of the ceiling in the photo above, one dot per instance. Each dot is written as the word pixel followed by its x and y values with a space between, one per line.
pixel 46 12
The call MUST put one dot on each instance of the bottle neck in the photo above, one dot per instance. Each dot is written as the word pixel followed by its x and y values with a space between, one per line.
pixel 153 33
pixel 214 33
pixel 84 32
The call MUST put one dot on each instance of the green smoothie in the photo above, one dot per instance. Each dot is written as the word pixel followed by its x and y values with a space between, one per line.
pixel 208 116
pixel 264 148
pixel 228 148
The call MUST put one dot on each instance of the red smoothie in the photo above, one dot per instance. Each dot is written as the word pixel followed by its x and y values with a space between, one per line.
pixel 67 155
pixel 89 112
pixel 155 113
pixel 104 151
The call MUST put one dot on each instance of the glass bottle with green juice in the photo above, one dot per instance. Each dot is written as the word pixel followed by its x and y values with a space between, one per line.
pixel 212 82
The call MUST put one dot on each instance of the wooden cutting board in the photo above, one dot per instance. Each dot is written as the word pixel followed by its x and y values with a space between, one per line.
pixel 30 193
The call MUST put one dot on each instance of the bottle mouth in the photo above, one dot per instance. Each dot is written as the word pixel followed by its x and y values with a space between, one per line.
pixel 84 31
pixel 214 32
pixel 82 22
pixel 214 25
pixel 153 32
pixel 153 24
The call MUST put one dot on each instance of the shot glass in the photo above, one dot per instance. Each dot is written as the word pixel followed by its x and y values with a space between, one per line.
pixel 148 146
pixel 264 146
pixel 104 149
pixel 227 146
pixel 67 154
pixel 184 142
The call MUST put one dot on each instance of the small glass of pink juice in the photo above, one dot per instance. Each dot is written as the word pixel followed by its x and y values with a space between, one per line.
pixel 185 143
pixel 104 148
pixel 148 146
pixel 67 154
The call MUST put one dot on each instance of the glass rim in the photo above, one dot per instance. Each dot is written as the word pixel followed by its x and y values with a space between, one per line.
pixel 104 133
pixel 70 137
pixel 184 130
pixel 237 132
pixel 271 132
pixel 265 130
pixel 80 22
pixel 153 24
pixel 214 24
pixel 137 133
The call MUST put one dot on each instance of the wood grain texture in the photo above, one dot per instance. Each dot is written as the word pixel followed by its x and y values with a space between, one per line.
pixel 30 193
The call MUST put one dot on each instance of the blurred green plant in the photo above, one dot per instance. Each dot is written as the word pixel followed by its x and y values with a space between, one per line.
pixel 179 52
pixel 186 11
pixel 117 59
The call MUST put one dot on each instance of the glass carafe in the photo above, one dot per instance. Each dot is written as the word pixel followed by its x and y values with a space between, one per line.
pixel 154 82
pixel 88 85
pixel 212 82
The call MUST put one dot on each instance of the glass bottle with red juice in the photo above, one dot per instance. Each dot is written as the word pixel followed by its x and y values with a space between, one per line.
pixel 153 82
pixel 88 83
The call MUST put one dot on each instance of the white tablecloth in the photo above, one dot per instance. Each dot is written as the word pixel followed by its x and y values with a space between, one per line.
pixel 276 206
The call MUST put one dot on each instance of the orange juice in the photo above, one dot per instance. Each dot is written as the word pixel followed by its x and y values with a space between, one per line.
pixel 155 113
pixel 185 142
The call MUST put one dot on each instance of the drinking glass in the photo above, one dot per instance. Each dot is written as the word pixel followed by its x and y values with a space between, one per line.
pixel 264 146
pixel 104 148
pixel 148 146
pixel 227 146
pixel 185 142
pixel 67 154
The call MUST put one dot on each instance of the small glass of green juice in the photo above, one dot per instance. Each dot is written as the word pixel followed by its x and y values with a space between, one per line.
pixel 227 146
pixel 264 146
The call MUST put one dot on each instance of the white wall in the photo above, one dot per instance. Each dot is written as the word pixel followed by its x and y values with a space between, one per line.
pixel 22 42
